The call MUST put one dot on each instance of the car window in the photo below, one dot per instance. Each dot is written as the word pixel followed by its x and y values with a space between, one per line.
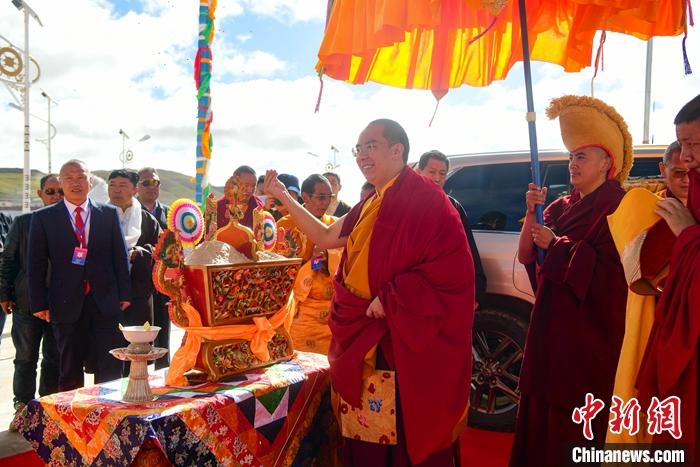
pixel 647 167
pixel 492 195
pixel 556 179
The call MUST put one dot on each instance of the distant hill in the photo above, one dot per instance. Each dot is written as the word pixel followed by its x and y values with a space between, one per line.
pixel 174 185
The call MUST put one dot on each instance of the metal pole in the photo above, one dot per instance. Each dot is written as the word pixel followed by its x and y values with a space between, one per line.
pixel 26 171
pixel 48 130
pixel 647 91
pixel 123 158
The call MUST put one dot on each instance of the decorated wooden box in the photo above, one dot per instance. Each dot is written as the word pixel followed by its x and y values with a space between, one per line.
pixel 222 358
pixel 235 311
pixel 233 294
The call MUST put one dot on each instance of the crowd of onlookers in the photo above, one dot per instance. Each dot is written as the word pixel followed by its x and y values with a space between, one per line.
pixel 53 310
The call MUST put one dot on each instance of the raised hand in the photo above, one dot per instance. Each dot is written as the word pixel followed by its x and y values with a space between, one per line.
pixel 677 216
pixel 534 196
pixel 273 187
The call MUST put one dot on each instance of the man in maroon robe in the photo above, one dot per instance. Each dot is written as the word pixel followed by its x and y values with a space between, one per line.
pixel 670 365
pixel 577 322
pixel 404 296
pixel 247 183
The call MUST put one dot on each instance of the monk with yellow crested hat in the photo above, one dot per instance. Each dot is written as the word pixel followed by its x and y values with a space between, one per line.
pixel 577 322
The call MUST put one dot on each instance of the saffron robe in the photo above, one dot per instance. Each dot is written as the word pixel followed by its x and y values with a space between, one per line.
pixel 576 328
pixel 420 267
pixel 313 290
pixel 670 364
pixel 642 237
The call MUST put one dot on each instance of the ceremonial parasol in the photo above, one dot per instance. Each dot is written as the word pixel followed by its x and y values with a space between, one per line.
pixel 443 44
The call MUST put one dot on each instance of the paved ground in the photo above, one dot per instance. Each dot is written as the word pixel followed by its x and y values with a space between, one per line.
pixel 13 443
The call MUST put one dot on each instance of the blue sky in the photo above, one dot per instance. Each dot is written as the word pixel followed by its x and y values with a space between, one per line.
pixel 128 65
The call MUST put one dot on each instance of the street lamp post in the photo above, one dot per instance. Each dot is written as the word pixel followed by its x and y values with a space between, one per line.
pixel 26 171
pixel 127 155
pixel 48 127
pixel 51 127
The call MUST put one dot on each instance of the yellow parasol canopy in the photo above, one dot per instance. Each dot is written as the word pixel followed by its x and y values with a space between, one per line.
pixel 443 44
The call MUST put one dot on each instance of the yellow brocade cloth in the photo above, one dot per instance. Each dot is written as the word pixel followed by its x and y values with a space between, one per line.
pixel 628 226
pixel 259 334
pixel 313 290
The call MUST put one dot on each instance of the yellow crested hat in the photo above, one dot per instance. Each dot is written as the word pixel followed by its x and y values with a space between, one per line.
pixel 587 121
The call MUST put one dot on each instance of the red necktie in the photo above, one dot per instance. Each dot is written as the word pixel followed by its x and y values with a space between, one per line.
pixel 80 234
pixel 80 227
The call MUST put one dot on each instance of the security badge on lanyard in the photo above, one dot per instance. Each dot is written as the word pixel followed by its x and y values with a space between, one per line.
pixel 79 256
pixel 79 252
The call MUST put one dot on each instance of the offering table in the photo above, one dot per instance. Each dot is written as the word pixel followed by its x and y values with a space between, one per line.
pixel 272 416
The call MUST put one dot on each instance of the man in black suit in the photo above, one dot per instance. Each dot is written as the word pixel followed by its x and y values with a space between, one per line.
pixel 434 165
pixel 89 283
pixel 29 333
pixel 149 196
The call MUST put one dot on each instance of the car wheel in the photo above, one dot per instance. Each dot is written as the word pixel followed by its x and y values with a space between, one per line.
pixel 498 343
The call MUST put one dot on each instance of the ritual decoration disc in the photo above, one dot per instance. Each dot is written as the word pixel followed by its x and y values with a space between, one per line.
pixel 269 232
pixel 186 219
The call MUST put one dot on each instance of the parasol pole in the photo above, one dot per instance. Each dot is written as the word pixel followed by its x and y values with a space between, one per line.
pixel 647 89
pixel 532 129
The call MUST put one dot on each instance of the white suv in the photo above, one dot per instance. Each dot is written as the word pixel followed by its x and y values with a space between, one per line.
pixel 491 187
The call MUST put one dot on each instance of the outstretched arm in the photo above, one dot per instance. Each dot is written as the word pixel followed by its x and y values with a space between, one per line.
pixel 321 234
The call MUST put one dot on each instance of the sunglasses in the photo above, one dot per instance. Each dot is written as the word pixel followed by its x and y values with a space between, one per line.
pixel 149 183
pixel 51 191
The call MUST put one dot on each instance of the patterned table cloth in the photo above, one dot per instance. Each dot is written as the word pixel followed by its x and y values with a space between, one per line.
pixel 266 417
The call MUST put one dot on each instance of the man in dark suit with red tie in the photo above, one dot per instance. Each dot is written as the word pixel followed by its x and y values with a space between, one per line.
pixel 89 284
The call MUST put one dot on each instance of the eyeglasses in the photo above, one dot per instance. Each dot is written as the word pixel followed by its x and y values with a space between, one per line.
pixel 679 173
pixel 149 183
pixel 368 148
pixel 51 191
pixel 323 196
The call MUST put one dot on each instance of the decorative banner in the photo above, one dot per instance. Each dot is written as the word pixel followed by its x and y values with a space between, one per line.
pixel 202 77
pixel 186 219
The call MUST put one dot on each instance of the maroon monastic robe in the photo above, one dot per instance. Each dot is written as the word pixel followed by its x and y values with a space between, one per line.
pixel 670 365
pixel 421 269
pixel 576 329
pixel 222 215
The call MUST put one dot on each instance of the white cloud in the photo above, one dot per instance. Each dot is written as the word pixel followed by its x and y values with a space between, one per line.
pixel 289 10
pixel 243 38
pixel 231 63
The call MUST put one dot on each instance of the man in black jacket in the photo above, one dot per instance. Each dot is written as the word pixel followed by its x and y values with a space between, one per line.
pixel 435 165
pixel 28 331
pixel 149 196
pixel 141 231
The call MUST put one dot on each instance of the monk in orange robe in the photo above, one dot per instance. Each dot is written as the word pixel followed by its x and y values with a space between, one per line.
pixel 578 319
pixel 313 287
pixel 671 363
pixel 402 310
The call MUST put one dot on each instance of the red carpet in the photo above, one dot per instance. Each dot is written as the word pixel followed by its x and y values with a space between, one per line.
pixel 26 459
pixel 482 448
pixel 479 448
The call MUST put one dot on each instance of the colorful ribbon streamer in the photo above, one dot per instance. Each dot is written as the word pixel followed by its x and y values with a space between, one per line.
pixel 202 78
